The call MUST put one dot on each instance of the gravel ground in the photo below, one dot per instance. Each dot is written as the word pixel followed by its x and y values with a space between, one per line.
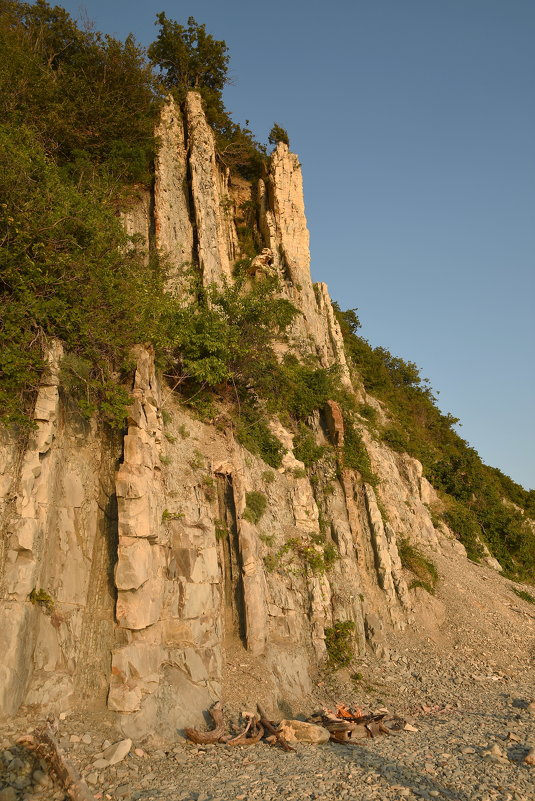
pixel 465 684
pixel 473 751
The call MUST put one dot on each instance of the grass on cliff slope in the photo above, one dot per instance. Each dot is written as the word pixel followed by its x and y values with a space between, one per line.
pixel 480 503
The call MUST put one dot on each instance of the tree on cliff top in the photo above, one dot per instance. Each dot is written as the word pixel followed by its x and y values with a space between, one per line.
pixel 189 58
pixel 278 134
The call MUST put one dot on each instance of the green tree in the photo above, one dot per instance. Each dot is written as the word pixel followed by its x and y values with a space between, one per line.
pixel 189 58
pixel 90 97
pixel 278 134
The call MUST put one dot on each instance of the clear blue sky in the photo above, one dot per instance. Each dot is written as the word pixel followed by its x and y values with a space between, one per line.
pixel 415 124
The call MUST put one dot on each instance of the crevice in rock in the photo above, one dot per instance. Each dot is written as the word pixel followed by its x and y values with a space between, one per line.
pixel 188 188
pixel 230 558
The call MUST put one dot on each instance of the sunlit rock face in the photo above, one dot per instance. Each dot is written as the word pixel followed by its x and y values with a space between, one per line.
pixel 130 569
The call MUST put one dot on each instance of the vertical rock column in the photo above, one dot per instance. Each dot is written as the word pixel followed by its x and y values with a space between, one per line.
pixel 284 229
pixel 216 237
pixel 139 574
pixel 388 563
pixel 172 225
pixel 333 341
pixel 26 534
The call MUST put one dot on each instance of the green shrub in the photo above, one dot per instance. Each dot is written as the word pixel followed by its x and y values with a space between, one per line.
pixel 368 412
pixel 412 559
pixel 253 432
pixel 355 454
pixel 395 438
pixel 278 134
pixel 255 506
pixel 339 643
pixel 330 555
pixel 464 525
pixel 305 448
pixel 56 238
pixel 183 431
pixel 222 531
pixel 524 595
pixel 42 599
pixel 208 485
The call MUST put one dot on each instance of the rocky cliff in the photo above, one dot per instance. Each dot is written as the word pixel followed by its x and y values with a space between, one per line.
pixel 131 570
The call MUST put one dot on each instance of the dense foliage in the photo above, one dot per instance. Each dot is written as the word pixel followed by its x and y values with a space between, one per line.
pixel 78 112
pixel 89 98
pixel 278 134
pixel 481 504
pixel 77 122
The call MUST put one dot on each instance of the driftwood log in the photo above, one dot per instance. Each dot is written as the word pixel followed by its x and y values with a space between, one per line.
pixel 206 737
pixel 252 733
pixel 256 733
pixel 272 729
pixel 44 744
pixel 350 729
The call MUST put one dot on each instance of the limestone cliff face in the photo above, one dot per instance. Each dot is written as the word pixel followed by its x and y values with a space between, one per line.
pixel 130 568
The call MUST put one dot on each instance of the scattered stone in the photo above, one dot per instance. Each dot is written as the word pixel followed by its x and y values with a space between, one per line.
pixel 87 739
pixel 299 731
pixel 529 759
pixel 39 777
pixel 8 794
pixel 99 764
pixel 116 753
pixel 92 778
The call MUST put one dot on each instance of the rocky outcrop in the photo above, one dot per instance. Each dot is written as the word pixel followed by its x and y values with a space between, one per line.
pixel 172 226
pixel 283 225
pixel 56 607
pixel 131 585
pixel 216 235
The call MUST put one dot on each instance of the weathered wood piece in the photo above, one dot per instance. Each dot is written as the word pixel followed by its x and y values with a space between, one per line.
pixel 257 732
pixel 268 725
pixel 44 744
pixel 206 737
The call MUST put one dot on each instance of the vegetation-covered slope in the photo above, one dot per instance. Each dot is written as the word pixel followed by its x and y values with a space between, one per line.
pixel 481 503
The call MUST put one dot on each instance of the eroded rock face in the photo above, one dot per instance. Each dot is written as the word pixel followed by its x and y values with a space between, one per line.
pixel 172 225
pixel 132 585
pixel 56 621
pixel 217 241
pixel 283 225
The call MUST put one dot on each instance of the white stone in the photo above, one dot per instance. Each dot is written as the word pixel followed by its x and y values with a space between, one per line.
pixel 117 752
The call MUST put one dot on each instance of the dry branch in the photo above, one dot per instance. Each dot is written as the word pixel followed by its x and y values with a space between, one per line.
pixel 44 744
pixel 273 730
pixel 257 733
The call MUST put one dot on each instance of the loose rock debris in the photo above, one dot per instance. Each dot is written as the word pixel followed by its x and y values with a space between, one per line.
pixel 43 742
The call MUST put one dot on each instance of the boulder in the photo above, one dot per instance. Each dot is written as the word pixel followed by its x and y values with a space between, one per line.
pixel 299 731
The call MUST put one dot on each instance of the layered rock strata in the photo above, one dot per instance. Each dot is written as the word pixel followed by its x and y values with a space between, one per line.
pixel 131 569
